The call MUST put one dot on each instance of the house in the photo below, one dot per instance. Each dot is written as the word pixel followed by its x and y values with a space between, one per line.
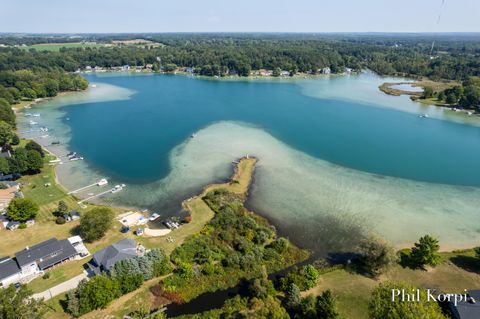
pixel 467 309
pixel 284 73
pixel 36 259
pixel 104 259
pixel 33 261
pixel 325 70
pixel 9 272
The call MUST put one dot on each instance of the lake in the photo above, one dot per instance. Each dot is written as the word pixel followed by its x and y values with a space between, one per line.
pixel 338 158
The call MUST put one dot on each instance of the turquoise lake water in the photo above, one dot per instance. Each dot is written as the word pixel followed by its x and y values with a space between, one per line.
pixel 334 150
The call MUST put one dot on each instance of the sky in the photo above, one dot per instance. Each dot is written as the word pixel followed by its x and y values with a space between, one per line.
pixel 108 16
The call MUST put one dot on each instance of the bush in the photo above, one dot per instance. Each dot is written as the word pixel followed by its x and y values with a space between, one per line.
pixel 22 226
pixel 95 223
pixel 60 220
pixel 46 275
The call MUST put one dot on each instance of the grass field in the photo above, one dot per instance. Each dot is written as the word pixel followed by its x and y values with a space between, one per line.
pixel 457 271
pixel 58 46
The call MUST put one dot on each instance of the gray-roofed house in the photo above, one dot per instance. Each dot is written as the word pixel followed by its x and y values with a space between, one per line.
pixel 469 309
pixel 34 260
pixel 10 273
pixel 104 259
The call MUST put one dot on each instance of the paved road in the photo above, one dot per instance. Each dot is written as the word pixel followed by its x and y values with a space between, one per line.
pixel 61 288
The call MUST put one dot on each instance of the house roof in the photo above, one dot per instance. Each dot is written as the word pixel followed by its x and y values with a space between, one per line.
pixel 124 249
pixel 8 267
pixel 46 253
pixel 468 309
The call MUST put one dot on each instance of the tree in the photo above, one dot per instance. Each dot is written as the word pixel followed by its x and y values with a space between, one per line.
pixel 34 161
pixel 15 139
pixel 6 132
pixel 381 305
pixel 425 251
pixel 427 92
pixel 17 303
pixel 4 166
pixel 326 306
pixel 32 145
pixel 97 293
pixel 22 209
pixel 19 161
pixel 62 208
pixel 292 296
pixel 376 256
pixel 95 223
pixel 6 113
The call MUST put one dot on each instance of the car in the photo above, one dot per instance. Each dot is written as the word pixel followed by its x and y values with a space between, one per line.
pixel 18 285
pixel 125 229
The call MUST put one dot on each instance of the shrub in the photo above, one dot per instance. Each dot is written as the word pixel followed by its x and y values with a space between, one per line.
pixel 46 275
pixel 22 226
pixel 60 220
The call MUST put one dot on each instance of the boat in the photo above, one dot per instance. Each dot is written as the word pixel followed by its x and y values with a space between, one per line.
pixel 36 114
pixel 102 182
pixel 33 123
pixel 28 114
pixel 44 129
pixel 55 142
pixel 193 135
pixel 76 158
pixel 117 188
pixel 71 154
pixel 154 217
pixel 423 116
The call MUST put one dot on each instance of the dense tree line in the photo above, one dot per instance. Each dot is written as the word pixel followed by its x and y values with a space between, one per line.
pixel 216 54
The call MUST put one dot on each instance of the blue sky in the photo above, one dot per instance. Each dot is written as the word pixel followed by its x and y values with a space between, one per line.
pixel 74 16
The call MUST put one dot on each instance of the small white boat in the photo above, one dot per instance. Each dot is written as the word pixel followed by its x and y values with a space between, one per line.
pixel 423 116
pixel 193 135
pixel 33 123
pixel 117 188
pixel 28 114
pixel 36 115
pixel 44 129
pixel 102 182
pixel 154 217
pixel 76 158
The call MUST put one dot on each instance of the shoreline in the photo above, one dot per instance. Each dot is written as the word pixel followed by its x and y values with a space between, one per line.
pixel 423 83
pixel 443 247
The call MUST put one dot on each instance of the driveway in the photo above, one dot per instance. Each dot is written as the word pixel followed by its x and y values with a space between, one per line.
pixel 61 288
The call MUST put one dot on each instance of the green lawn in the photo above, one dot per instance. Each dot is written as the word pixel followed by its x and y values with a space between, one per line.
pixel 457 271
pixel 58 46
